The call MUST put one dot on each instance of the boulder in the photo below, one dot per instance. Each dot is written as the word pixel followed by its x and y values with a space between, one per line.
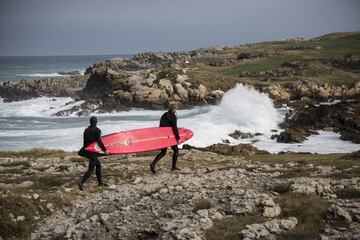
pixel 292 135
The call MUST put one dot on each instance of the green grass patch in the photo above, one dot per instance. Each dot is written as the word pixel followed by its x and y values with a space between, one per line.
pixel 263 64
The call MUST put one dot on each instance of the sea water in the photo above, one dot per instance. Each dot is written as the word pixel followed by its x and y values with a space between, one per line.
pixel 32 123
pixel 28 67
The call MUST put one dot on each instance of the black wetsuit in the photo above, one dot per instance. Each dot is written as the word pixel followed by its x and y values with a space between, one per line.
pixel 168 119
pixel 92 134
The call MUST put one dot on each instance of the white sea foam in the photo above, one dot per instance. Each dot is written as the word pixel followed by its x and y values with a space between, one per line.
pixel 241 108
pixel 36 107
pixel 41 75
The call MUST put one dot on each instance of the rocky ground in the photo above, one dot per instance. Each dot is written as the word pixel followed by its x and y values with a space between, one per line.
pixel 249 195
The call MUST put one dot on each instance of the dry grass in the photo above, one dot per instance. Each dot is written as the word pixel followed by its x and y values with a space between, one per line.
pixel 310 212
pixel 348 193
pixel 202 204
pixel 36 153
pixel 281 188
pixel 230 227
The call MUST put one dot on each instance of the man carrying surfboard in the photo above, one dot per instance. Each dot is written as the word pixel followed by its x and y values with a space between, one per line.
pixel 92 134
pixel 168 119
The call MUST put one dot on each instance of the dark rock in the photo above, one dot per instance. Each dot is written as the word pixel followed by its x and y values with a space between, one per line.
pixel 225 149
pixel 52 87
pixel 342 117
pixel 71 73
pixel 292 135
pixel 240 135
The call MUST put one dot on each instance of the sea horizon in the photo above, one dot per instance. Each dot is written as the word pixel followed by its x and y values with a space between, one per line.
pixel 17 68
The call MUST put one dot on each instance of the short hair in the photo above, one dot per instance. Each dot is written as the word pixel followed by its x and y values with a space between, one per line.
pixel 93 121
pixel 173 106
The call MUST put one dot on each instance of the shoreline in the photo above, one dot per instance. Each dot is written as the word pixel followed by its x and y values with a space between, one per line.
pixel 266 188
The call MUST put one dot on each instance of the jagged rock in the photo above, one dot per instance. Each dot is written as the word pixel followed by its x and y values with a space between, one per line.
pixel 343 117
pixel 278 93
pixel 240 135
pixel 292 135
pixel 221 148
pixel 52 87
pixel 264 230
pixel 288 224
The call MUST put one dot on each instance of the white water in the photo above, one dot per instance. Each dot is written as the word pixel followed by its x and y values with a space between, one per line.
pixel 41 75
pixel 31 123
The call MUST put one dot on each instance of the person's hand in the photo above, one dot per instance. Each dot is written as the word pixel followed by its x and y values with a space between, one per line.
pixel 107 152
pixel 179 141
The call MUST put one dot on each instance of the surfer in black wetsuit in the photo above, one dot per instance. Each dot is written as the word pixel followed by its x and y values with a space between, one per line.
pixel 92 134
pixel 168 119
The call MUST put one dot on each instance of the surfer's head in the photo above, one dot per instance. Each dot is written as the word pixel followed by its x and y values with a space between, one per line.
pixel 93 121
pixel 172 107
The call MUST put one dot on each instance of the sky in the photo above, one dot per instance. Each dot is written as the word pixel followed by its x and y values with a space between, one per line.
pixel 88 27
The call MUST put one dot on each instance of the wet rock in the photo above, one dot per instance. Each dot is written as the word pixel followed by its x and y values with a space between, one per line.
pixel 291 135
pixel 240 135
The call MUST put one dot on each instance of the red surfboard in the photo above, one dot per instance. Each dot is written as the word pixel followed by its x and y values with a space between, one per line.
pixel 140 140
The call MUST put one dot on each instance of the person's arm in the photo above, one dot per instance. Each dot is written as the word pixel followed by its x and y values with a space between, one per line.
pixel 98 140
pixel 174 127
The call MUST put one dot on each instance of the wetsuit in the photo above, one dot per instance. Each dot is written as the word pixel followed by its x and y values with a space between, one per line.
pixel 92 134
pixel 168 119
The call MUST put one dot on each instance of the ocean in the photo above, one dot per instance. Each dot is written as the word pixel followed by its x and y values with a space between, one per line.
pixel 31 123
pixel 28 67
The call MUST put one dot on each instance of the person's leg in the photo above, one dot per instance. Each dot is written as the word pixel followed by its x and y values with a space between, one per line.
pixel 175 157
pixel 98 172
pixel 92 163
pixel 157 158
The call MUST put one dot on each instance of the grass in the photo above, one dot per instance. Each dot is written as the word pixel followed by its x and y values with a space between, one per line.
pixel 310 212
pixel 35 153
pixel 282 188
pixel 346 173
pixel 334 159
pixel 202 204
pixel 296 173
pixel 263 64
pixel 48 182
pixel 18 206
pixel 348 193
pixel 230 227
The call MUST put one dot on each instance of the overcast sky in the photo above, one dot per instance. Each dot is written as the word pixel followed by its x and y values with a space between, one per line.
pixel 72 27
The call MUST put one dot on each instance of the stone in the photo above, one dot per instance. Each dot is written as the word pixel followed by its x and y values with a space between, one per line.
pixel 167 85
pixel 20 218
pixel 35 196
pixel 203 213
pixel 271 211
pixel 288 224
pixel 273 226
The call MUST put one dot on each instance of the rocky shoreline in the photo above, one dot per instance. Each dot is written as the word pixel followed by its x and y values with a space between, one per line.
pixel 240 196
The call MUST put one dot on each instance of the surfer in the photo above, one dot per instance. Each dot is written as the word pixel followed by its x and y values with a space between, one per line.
pixel 168 119
pixel 92 134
